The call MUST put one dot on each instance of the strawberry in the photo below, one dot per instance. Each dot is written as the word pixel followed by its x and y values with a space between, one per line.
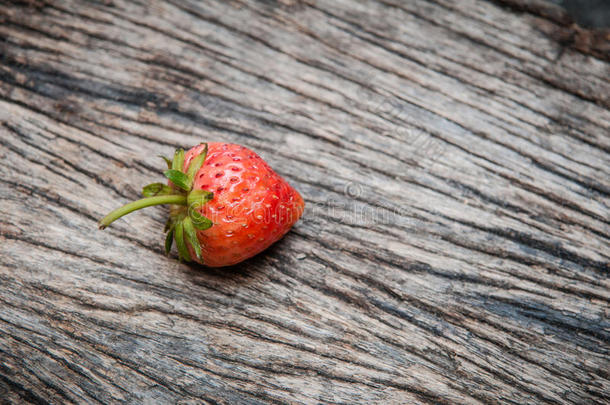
pixel 226 204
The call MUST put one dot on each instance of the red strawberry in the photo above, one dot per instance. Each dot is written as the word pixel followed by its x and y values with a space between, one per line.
pixel 227 204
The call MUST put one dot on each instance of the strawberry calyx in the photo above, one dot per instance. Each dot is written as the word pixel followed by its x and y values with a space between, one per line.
pixel 185 218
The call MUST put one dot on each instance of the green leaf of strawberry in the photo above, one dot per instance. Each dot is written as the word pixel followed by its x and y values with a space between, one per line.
pixel 178 161
pixel 167 160
pixel 178 178
pixel 196 163
pixel 183 251
pixel 154 189
pixel 169 240
pixel 191 236
pixel 199 221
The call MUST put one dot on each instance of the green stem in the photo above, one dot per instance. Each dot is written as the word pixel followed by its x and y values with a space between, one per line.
pixel 143 203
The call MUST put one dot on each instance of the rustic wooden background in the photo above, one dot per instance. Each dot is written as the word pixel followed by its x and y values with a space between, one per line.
pixel 455 160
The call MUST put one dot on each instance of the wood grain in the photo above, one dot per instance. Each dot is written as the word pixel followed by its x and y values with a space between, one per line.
pixel 455 161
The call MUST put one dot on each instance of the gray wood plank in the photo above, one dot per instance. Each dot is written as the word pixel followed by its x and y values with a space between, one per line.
pixel 454 159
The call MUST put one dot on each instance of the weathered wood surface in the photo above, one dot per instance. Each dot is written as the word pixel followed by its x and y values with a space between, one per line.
pixel 455 162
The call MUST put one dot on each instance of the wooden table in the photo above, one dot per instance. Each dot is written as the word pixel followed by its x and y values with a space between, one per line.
pixel 455 161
